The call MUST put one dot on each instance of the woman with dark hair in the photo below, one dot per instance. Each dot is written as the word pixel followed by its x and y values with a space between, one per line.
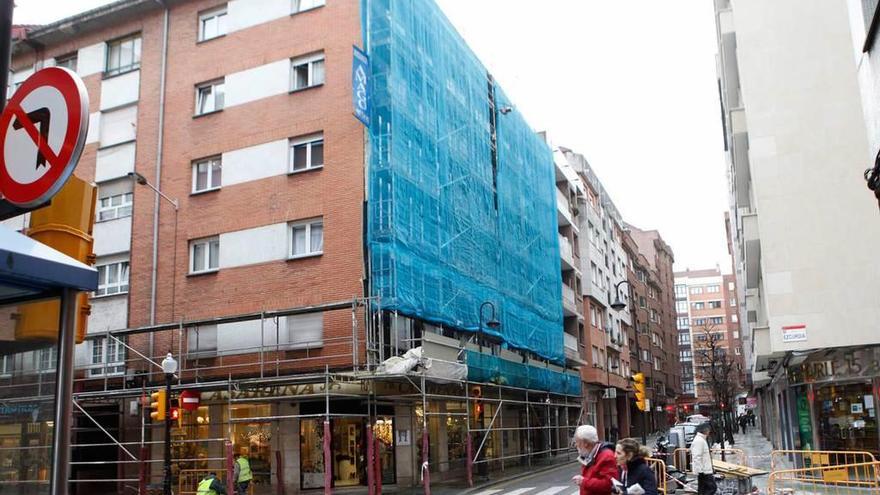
pixel 633 468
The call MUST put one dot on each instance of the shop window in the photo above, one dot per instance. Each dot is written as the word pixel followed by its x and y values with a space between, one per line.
pixel 254 439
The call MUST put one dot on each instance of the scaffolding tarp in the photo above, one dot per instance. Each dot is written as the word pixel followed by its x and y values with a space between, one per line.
pixel 461 191
pixel 487 368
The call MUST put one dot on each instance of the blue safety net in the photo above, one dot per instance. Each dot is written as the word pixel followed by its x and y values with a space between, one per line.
pixel 487 368
pixel 455 217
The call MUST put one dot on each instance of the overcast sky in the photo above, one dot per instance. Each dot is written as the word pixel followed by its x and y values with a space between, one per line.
pixel 628 83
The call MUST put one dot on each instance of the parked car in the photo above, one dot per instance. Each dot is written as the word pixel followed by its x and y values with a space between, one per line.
pixel 698 418
pixel 686 431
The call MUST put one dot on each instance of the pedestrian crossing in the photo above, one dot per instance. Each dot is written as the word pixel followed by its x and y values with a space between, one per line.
pixel 553 490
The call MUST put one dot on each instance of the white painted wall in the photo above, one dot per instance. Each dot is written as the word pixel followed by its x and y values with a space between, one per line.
pixel 255 162
pixel 112 236
pixel 108 313
pixel 246 13
pixel 120 90
pixel 118 126
pixel 817 221
pixel 91 59
pixel 257 83
pixel 114 162
pixel 94 134
pixel 17 223
pixel 251 246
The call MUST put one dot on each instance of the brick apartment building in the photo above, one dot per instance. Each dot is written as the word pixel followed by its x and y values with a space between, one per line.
pixel 319 282
pixel 707 307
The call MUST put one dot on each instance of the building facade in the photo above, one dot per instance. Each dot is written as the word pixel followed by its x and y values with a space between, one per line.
pixel 795 135
pixel 349 306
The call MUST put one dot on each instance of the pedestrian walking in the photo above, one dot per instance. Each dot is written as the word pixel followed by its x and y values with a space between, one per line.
pixel 210 485
pixel 633 468
pixel 701 461
pixel 743 423
pixel 242 473
pixel 598 462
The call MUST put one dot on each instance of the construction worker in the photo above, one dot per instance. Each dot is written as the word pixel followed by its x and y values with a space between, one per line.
pixel 210 485
pixel 242 473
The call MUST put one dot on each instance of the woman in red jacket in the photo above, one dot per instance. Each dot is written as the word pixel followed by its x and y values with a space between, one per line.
pixel 598 460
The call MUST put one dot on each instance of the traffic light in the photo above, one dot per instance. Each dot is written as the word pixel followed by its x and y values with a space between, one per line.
pixel 66 226
pixel 477 394
pixel 158 402
pixel 639 386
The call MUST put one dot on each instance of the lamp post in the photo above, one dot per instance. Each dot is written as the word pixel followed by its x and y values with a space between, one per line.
pixel 491 323
pixel 169 367
pixel 619 305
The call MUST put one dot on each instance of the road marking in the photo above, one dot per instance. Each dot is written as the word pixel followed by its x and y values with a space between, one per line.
pixel 489 492
pixel 520 491
pixel 552 490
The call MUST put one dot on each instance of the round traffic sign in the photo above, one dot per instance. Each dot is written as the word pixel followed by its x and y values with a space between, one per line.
pixel 42 133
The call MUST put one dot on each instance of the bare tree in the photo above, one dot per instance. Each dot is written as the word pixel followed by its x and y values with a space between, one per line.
pixel 719 371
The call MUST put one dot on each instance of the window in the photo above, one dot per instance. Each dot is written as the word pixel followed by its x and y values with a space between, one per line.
pixel 657 363
pixel 307 153
pixel 736 334
pixel 680 290
pixel 113 363
pixel 681 306
pixel 699 305
pixel 204 255
pixel 67 61
pixel 306 330
pixel 653 314
pixel 201 341
pixel 712 289
pixel 684 338
pixel 112 279
pixel 714 304
pixel 212 23
pixel 595 355
pixel 123 55
pixel 716 320
pixel 206 174
pixel 47 359
pixel 737 351
pixel 307 238
pixel 696 290
pixel 734 318
pixel 732 302
pixel 642 302
pixel 593 318
pixel 687 387
pixel 209 97
pixel 307 72
pixel 698 321
pixel 651 293
pixel 116 206
pixel 683 323
pixel 303 5
pixel 731 286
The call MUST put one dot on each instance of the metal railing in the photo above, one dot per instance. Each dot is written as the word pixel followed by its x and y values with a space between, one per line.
pixel 841 479
pixel 659 468
pixel 801 459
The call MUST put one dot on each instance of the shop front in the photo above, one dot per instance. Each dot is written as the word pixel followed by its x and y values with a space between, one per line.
pixel 832 403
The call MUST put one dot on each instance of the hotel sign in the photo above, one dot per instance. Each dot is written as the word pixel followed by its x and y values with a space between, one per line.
pixel 855 364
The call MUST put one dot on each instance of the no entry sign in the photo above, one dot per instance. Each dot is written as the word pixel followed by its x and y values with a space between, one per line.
pixel 42 132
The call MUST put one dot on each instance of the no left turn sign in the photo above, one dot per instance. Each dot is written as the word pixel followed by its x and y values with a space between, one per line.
pixel 42 133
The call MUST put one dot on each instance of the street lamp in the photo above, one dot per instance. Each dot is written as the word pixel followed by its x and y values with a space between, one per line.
pixel 169 367
pixel 619 305
pixel 491 323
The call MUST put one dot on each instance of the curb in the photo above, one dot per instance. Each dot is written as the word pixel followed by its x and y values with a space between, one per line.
pixel 524 476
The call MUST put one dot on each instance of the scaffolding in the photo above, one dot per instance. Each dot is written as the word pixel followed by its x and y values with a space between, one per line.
pixel 118 450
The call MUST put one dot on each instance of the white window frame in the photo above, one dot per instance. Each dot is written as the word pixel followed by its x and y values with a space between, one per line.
pixel 136 47
pixel 307 141
pixel 64 61
pixel 112 368
pixel 696 290
pixel 7 365
pixel 310 61
pixel 206 242
pixel 127 201
pixel 737 351
pixel 210 174
pixel 308 224
pixel 218 103
pixel 219 16
pixel 734 318
pixel 122 283
pixel 52 362
pixel 296 6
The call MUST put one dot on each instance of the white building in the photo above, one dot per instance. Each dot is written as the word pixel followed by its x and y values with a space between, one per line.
pixel 805 229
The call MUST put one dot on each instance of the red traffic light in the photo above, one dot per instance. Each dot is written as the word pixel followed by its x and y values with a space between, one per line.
pixel 175 413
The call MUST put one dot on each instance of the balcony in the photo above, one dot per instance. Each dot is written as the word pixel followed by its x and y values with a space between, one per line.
pixel 570 303
pixel 567 254
pixel 572 350
pixel 752 250
pixel 563 208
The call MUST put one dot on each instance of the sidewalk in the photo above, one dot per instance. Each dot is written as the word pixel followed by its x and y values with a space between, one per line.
pixel 757 450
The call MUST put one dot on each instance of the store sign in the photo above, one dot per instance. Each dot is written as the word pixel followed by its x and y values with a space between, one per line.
pixel 794 333
pixel 360 86
pixel 270 392
pixel 861 363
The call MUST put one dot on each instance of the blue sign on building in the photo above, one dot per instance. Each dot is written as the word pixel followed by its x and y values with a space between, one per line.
pixel 360 85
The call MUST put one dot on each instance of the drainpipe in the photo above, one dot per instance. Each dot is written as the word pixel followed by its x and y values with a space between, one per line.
pixel 158 178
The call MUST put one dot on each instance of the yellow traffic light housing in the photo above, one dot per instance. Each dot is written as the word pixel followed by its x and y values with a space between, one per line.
pixel 158 402
pixel 639 387
pixel 65 225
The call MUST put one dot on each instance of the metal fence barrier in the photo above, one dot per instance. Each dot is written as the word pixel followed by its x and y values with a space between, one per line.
pixel 840 479
pixel 659 468
pixel 681 458
pixel 799 459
